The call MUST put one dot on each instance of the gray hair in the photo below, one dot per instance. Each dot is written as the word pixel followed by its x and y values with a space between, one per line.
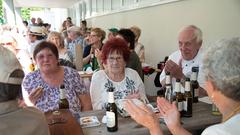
pixel 221 66
pixel 197 32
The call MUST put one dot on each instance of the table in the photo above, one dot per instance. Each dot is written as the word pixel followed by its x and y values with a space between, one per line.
pixel 201 119
pixel 70 127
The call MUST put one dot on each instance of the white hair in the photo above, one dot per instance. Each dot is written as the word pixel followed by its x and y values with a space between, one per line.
pixel 197 32
pixel 222 66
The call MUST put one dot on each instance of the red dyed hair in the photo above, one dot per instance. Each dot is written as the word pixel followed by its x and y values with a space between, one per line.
pixel 117 45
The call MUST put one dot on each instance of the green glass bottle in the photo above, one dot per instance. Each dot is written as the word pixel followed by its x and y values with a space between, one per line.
pixel 188 100
pixel 63 102
pixel 111 112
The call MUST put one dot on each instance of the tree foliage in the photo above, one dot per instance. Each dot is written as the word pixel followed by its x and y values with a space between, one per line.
pixel 1 12
pixel 26 12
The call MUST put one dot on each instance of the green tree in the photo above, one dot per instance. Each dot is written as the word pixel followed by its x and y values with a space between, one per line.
pixel 26 12
pixel 1 12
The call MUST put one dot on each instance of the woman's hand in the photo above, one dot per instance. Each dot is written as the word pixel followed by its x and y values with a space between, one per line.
pixel 169 112
pixel 35 94
pixel 132 96
pixel 144 116
pixel 98 53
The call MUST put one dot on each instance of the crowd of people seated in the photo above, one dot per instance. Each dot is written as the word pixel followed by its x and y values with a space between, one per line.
pixel 116 61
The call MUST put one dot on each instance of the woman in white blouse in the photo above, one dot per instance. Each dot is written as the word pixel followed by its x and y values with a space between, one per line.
pixel 125 81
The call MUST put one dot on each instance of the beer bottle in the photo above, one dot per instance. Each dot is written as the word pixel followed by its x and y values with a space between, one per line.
pixel 168 92
pixel 111 112
pixel 179 96
pixel 187 99
pixel 63 102
pixel 194 84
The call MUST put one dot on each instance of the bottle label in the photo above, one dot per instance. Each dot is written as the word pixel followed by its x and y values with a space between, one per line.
pixel 111 120
pixel 110 97
pixel 187 86
pixel 180 106
pixel 168 79
pixel 62 94
pixel 185 105
pixel 194 76
pixel 196 92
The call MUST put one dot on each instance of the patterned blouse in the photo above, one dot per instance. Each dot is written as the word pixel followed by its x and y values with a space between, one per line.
pixel 131 84
pixel 49 100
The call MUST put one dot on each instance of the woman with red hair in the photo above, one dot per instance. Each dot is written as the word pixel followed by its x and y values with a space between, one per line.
pixel 125 81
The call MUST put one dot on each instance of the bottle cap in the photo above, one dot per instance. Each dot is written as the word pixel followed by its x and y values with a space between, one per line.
pixel 111 89
pixel 62 86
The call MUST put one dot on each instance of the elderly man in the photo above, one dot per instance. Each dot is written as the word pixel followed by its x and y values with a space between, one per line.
pixel 77 39
pixel 189 55
pixel 14 119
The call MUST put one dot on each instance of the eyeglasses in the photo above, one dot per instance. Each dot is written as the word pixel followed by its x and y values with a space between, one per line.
pixel 6 44
pixel 118 59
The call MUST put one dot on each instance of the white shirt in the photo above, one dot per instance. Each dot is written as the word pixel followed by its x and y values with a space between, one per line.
pixel 131 84
pixel 32 46
pixel 187 66
pixel 229 127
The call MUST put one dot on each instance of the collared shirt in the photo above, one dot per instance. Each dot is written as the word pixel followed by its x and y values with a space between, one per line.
pixel 187 66
pixel 21 121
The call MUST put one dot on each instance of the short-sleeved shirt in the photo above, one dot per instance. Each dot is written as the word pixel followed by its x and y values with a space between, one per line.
pixel 229 127
pixel 49 100
pixel 131 84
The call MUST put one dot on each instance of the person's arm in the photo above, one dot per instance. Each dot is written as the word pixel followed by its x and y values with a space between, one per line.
pixel 86 59
pixel 142 55
pixel 98 55
pixel 86 104
pixel 144 116
pixel 171 117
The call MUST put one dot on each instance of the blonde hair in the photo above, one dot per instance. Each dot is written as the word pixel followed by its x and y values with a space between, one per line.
pixel 100 33
pixel 137 31
pixel 57 34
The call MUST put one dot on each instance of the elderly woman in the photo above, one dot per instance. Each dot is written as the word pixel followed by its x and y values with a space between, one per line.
pixel 97 36
pixel 41 87
pixel 57 39
pixel 125 81
pixel 222 83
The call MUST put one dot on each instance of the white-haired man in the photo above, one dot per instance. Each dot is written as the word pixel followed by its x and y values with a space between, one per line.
pixel 189 55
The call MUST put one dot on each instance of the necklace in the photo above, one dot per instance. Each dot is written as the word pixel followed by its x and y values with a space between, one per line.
pixel 234 112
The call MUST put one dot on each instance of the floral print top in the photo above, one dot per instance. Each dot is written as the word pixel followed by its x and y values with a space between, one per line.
pixel 49 100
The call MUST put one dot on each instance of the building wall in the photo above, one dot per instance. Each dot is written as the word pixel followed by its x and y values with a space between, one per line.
pixel 160 25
